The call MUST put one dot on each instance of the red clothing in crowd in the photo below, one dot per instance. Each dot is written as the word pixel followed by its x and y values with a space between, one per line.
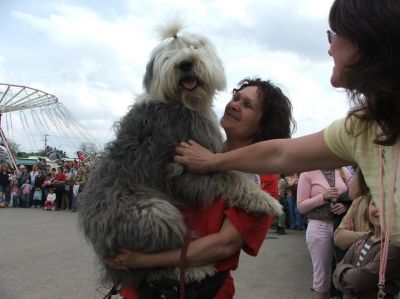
pixel 209 220
pixel 60 177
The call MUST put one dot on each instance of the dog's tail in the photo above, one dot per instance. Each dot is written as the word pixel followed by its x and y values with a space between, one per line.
pixel 170 28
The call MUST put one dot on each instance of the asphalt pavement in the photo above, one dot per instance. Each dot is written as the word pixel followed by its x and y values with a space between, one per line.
pixel 42 255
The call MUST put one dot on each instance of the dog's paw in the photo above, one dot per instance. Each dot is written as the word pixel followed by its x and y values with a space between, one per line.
pixel 262 204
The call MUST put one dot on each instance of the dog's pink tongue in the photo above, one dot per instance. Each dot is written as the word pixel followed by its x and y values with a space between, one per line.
pixel 189 83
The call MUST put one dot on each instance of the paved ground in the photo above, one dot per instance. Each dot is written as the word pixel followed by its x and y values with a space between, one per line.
pixel 43 256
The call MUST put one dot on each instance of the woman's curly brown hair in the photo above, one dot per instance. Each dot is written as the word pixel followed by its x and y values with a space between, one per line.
pixel 277 121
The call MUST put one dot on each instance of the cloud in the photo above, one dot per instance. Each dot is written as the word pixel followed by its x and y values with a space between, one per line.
pixel 92 55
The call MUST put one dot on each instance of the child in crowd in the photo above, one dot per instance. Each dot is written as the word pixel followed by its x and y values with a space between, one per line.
pixel 2 200
pixel 26 191
pixel 37 197
pixel 47 185
pixel 15 196
pixel 50 203
pixel 357 275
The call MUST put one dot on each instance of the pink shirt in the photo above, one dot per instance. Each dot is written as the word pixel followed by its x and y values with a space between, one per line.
pixel 312 185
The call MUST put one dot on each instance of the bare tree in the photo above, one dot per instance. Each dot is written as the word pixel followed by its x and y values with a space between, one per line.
pixel 89 148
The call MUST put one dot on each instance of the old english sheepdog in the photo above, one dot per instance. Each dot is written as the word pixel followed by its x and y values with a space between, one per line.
pixel 132 198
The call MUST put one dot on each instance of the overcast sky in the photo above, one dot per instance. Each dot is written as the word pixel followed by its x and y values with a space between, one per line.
pixel 92 54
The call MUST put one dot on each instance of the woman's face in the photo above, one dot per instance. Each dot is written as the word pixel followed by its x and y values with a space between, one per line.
pixel 243 114
pixel 344 53
pixel 373 214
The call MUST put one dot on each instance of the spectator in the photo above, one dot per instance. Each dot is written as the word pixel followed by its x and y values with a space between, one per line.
pixel 67 189
pixel 282 187
pixel 59 186
pixel 316 190
pixel 26 193
pixel 15 196
pixel 23 176
pixel 39 184
pixel 37 198
pixel 357 275
pixel 32 177
pixel 5 182
pixel 355 223
pixel 79 183
pixel 50 203
pixel 47 184
pixel 295 218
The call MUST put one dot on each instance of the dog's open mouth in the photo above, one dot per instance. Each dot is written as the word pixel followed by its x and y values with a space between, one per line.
pixel 189 83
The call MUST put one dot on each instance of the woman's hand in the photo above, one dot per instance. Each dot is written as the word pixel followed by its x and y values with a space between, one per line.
pixel 127 259
pixel 331 193
pixel 338 209
pixel 194 157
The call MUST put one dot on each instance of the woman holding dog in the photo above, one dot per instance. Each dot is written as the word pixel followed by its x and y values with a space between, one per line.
pixel 257 111
pixel 365 45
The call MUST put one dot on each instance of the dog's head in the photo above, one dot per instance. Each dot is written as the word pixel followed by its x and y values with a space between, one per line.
pixel 184 67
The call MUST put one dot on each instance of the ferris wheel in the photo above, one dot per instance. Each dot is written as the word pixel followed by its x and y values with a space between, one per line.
pixel 39 113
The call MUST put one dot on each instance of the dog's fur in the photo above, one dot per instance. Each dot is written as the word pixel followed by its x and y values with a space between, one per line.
pixel 131 199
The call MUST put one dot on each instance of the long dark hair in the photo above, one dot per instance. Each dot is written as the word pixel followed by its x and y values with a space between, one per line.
pixel 277 120
pixel 373 81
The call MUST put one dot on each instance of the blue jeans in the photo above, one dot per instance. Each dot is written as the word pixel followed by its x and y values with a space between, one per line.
pixel 26 200
pixel 74 204
pixel 295 217
pixel 292 211
pixel 299 219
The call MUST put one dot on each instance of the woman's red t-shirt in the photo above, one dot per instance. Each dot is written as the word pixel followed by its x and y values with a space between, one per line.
pixel 204 221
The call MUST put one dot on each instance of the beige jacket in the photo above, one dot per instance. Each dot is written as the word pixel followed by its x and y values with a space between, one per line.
pixel 344 237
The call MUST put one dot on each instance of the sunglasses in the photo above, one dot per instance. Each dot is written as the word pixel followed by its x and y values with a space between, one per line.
pixel 331 35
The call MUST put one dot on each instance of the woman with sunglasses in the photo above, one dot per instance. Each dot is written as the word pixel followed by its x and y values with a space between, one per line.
pixel 365 47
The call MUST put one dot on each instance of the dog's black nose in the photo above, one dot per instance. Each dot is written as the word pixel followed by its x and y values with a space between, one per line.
pixel 185 65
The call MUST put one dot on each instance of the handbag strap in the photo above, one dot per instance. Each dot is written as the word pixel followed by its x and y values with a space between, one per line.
pixel 385 222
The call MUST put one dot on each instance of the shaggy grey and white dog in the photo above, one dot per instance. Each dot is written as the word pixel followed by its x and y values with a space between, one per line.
pixel 132 198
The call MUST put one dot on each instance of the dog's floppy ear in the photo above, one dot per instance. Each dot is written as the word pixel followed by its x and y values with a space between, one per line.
pixel 148 77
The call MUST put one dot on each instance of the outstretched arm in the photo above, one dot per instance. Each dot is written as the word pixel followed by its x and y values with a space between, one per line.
pixel 205 250
pixel 272 156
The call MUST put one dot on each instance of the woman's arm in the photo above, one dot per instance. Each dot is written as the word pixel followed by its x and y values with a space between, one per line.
pixel 351 279
pixel 272 156
pixel 205 250
pixel 306 202
pixel 345 235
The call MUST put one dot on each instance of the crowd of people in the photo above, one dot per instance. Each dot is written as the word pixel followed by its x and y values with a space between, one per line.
pixel 41 186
